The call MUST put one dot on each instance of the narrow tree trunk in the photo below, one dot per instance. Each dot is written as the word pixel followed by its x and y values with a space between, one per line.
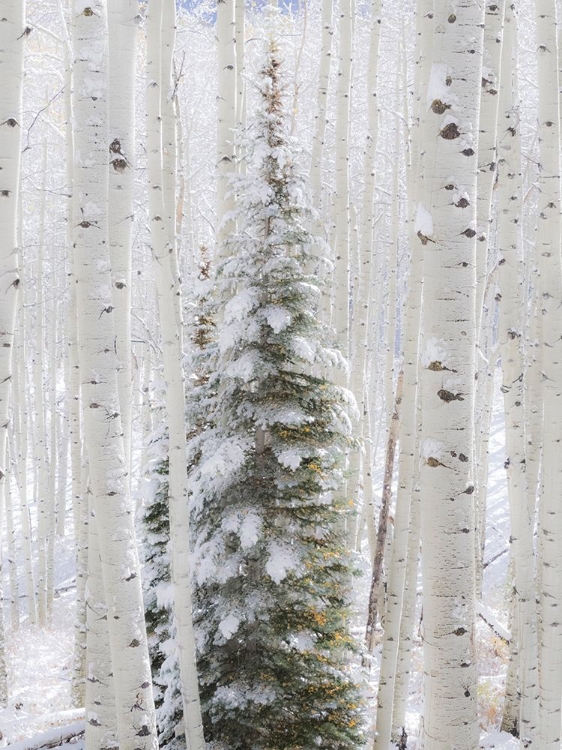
pixel 12 39
pixel 227 95
pixel 376 577
pixel 448 235
pixel 123 29
pixel 98 374
pixel 511 339
pixel 342 236
pixel 321 104
pixel 169 305
pixel 101 721
pixel 550 301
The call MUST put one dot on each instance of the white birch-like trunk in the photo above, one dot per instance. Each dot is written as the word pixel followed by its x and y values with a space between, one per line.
pixel 227 96
pixel 402 518
pixel 101 721
pixel 408 618
pixel 169 306
pixel 448 220
pixel 123 17
pixel 12 40
pixel 40 431
pixel 321 104
pixel 240 37
pixel 12 554
pixel 550 303
pixel 19 452
pixel 103 433
pixel 511 278
pixel 53 454
pixel 341 320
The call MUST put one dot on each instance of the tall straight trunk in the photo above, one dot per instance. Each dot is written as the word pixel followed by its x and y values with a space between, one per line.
pixel 483 419
pixel 101 721
pixel 103 433
pixel 382 531
pixel 342 230
pixel 447 381
pixel 408 619
pixel 12 39
pixel 550 301
pixel 169 307
pixel 123 30
pixel 240 38
pixel 19 453
pixel 12 557
pixel 321 103
pixel 511 278
pixel 53 453
pixel 512 700
pixel 40 431
pixel 227 95
pixel 403 515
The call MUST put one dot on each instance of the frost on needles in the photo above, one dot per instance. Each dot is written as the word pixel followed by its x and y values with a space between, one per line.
pixel 271 572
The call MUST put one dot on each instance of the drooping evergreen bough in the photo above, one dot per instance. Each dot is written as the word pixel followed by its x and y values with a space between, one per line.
pixel 271 571
pixel 157 592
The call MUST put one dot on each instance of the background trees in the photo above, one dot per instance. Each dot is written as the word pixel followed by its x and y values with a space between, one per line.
pixel 117 193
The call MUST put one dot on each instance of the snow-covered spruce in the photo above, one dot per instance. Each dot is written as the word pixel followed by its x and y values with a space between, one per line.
pixel 157 588
pixel 272 575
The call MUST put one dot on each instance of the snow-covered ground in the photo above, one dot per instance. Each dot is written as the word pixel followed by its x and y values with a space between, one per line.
pixel 40 661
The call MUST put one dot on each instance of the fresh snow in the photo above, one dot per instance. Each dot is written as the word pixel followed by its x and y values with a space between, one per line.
pixel 423 222
pixel 229 626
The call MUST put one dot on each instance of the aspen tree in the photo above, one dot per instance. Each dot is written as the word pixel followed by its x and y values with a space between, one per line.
pixel 12 554
pixel 550 305
pixel 240 37
pixel 40 431
pixel 103 434
pixel 19 449
pixel 321 103
pixel 359 329
pixel 13 32
pixel 511 279
pixel 446 223
pixel 169 306
pixel 342 253
pixel 101 720
pixel 227 96
pixel 123 18
pixel 487 167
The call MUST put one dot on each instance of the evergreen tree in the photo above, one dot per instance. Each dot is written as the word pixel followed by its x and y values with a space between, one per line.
pixel 157 589
pixel 158 595
pixel 272 574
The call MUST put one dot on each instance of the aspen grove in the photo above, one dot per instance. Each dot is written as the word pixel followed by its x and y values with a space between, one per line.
pixel 280 374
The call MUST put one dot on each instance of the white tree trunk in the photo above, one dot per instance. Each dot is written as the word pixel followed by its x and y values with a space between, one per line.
pixel 342 253
pixel 19 452
pixel 12 553
pixel 101 722
pixel 12 39
pixel 169 305
pixel 321 104
pixel 98 373
pixel 550 301
pixel 40 431
pixel 123 17
pixel 447 222
pixel 227 95
pixel 511 278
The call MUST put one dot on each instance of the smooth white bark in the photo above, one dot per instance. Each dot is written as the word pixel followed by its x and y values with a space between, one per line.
pixel 98 374
pixel 169 307
pixel 447 381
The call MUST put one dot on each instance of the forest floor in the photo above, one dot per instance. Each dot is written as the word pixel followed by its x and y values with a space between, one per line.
pixel 40 661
